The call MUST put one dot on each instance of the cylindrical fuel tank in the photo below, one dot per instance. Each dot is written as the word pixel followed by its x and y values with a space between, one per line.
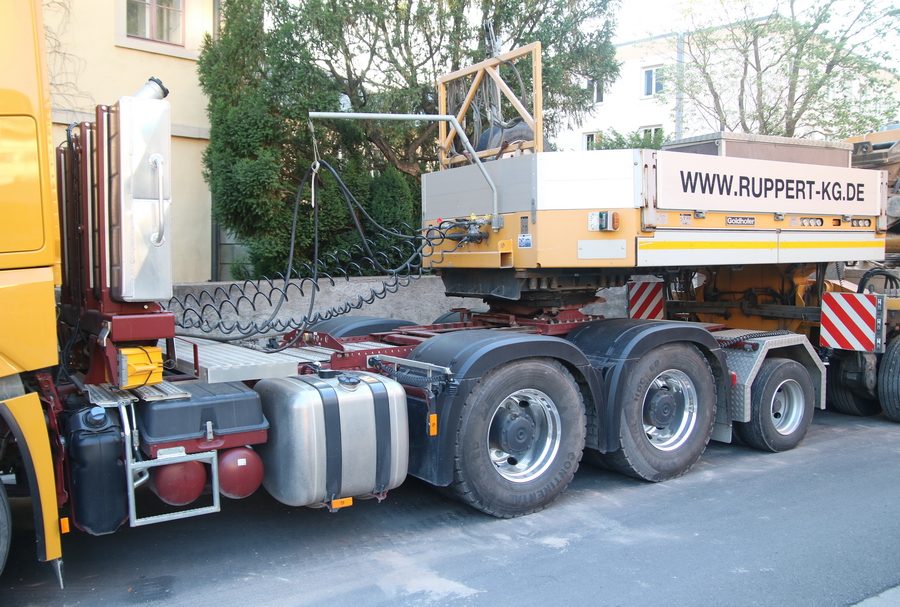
pixel 97 470
pixel 332 436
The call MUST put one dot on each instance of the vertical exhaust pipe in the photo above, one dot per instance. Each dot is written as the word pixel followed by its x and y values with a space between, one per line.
pixel 154 89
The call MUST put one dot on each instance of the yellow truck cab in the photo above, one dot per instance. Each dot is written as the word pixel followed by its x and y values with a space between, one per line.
pixel 29 268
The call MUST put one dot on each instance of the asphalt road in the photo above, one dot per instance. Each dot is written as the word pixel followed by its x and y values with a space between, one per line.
pixel 816 526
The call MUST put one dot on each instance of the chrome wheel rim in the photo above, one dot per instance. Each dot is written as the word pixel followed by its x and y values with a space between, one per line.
pixel 786 407
pixel 524 435
pixel 670 410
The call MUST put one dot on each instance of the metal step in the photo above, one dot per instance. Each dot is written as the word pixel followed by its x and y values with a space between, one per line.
pixel 107 395
pixel 217 362
pixel 161 391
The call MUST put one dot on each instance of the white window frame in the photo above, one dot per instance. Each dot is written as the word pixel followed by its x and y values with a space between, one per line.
pixel 193 11
pixel 592 137
pixel 153 5
pixel 656 84
pixel 651 130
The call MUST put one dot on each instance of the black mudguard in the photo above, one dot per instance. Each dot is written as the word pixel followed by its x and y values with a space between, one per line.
pixel 470 355
pixel 354 326
pixel 614 346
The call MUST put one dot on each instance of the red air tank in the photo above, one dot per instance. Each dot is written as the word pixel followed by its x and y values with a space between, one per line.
pixel 240 472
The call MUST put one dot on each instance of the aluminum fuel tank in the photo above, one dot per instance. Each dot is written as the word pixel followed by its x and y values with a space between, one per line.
pixel 333 435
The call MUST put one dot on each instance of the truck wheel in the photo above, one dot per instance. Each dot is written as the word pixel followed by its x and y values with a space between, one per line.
pixel 847 401
pixel 889 380
pixel 667 416
pixel 782 401
pixel 5 526
pixel 520 438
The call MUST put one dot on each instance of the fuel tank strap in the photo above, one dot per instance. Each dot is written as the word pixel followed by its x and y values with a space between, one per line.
pixel 381 404
pixel 333 446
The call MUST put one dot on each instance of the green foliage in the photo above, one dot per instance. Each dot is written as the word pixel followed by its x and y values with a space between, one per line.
pixel 614 140
pixel 789 69
pixel 385 57
pixel 274 61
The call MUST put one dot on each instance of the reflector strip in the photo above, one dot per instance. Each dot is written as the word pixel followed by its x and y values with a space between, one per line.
pixel 848 321
pixel 645 300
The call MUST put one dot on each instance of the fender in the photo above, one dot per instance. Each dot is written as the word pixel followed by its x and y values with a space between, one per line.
pixel 354 326
pixel 614 346
pixel 25 418
pixel 470 355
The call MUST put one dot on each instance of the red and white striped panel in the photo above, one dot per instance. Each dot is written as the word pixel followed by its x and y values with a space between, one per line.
pixel 645 300
pixel 849 321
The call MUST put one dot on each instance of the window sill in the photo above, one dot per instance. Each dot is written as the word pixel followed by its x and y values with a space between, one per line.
pixel 159 48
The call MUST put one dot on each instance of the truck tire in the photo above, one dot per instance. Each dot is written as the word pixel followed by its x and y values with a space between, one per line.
pixel 782 401
pixel 5 527
pixel 519 439
pixel 848 401
pixel 889 380
pixel 667 415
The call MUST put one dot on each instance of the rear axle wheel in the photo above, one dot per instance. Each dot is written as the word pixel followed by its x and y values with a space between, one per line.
pixel 667 414
pixel 889 380
pixel 782 401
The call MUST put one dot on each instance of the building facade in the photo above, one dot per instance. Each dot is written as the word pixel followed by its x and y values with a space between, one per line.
pixel 100 51
pixel 631 103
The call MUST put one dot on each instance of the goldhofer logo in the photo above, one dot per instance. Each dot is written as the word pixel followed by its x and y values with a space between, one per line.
pixel 740 221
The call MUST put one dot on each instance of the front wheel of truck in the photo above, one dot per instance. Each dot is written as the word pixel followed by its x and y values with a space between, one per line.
pixel 5 527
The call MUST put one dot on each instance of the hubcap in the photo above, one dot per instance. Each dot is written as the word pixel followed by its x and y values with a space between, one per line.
pixel 524 435
pixel 670 410
pixel 786 407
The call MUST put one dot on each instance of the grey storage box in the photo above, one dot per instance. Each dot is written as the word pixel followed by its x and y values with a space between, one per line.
pixel 216 416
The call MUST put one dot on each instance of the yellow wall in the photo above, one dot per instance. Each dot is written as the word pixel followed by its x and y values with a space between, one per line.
pixel 93 61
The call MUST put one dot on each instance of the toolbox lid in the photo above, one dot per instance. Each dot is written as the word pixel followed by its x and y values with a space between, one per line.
pixel 231 407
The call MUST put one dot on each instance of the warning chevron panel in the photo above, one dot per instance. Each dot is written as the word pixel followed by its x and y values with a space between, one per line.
pixel 645 300
pixel 849 321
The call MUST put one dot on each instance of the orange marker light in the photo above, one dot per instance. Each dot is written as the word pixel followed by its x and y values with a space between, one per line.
pixel 615 221
pixel 64 524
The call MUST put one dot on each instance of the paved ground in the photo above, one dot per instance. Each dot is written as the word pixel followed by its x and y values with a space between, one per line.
pixel 816 526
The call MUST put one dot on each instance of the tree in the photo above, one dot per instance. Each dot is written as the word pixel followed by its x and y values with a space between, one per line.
pixel 778 69
pixel 257 123
pixel 261 85
pixel 642 138
pixel 385 56
pixel 274 61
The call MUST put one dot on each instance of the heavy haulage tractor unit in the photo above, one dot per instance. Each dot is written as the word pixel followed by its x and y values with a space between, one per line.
pixel 725 243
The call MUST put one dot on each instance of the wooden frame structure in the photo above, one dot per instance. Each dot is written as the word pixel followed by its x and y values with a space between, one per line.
pixel 491 69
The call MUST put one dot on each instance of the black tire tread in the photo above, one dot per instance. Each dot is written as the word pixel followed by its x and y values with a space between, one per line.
pixel 5 527
pixel 619 461
pixel 889 380
pixel 848 402
pixel 751 433
pixel 460 488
